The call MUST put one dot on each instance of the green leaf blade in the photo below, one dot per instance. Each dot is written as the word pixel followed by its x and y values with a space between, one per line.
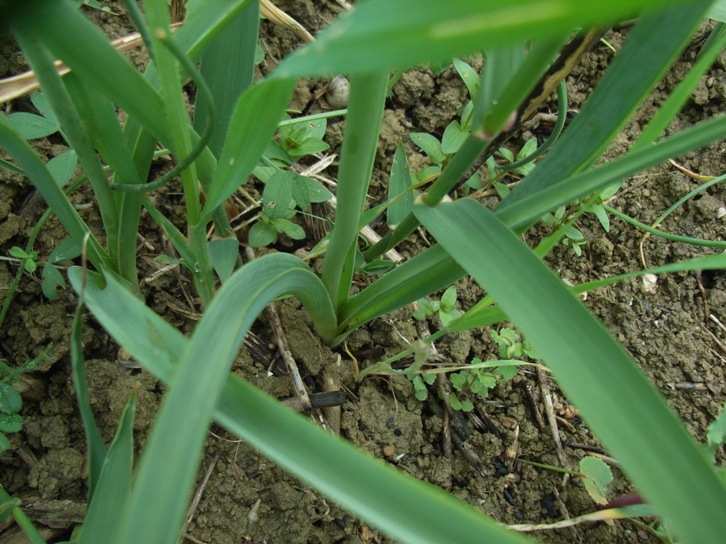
pixel 407 509
pixel 633 420
pixel 388 34
pixel 252 126
pixel 399 189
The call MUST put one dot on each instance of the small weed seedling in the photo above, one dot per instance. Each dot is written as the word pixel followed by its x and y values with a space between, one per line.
pixel 28 260
pixel 286 192
pixel 511 346
pixel 51 276
pixel 306 138
pixel 477 383
pixel 32 127
pixel 529 147
pixel 444 308
pixel 562 222
pixel 10 400
pixel 455 133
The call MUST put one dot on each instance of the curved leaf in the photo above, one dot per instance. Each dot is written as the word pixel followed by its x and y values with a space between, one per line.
pixel 405 508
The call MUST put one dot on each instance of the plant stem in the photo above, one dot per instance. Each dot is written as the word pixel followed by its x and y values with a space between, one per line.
pixel 202 269
pixel 313 117
pixel 167 66
pixel 365 113
pixel 667 236
pixel 22 520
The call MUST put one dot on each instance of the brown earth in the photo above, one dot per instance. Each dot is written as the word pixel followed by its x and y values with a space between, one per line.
pixel 668 331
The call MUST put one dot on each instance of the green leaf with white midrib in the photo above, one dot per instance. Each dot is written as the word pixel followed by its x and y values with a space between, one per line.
pixel 389 34
pixel 405 508
pixel 599 377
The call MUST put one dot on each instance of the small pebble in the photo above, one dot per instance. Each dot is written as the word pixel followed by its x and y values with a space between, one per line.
pixel 388 451
pixel 338 91
pixel 650 283
pixel 509 422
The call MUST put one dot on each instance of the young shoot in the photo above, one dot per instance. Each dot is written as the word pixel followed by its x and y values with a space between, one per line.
pixel 445 308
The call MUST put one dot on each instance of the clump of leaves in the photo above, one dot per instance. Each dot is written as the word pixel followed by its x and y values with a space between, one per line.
pixel 306 138
pixel 440 151
pixel 51 277
pixel 287 192
pixel 468 384
pixel 483 376
pixel 445 308
pixel 476 383
pixel 511 346
pixel 527 149
pixel 10 400
pixel 420 382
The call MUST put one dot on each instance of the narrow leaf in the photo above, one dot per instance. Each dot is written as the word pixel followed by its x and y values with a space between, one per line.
pixel 399 189
pixel 114 485
pixel 252 126
pixel 96 448
pixel 38 173
pixel 632 420
pixel 173 450
pixel 388 34
pixel 659 37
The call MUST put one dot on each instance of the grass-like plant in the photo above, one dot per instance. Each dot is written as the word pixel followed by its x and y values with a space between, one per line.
pixel 234 121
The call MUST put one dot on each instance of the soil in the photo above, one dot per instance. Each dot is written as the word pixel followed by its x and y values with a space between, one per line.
pixel 247 498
